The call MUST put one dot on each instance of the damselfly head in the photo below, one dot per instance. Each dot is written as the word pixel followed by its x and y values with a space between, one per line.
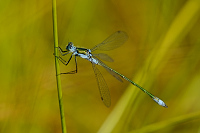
pixel 69 46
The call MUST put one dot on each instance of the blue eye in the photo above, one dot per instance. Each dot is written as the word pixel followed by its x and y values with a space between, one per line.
pixel 69 46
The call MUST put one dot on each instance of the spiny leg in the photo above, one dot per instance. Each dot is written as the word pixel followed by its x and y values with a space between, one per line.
pixel 66 63
pixel 63 52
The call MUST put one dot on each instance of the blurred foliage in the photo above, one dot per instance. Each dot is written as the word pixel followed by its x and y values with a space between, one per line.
pixel 162 55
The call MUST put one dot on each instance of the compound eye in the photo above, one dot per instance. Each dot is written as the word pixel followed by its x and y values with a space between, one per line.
pixel 69 46
pixel 70 43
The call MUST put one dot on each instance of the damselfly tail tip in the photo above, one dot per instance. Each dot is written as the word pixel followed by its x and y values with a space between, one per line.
pixel 160 102
pixel 166 106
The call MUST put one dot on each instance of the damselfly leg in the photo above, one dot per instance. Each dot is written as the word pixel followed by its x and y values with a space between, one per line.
pixel 63 53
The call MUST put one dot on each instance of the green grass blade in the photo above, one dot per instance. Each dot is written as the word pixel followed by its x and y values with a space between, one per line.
pixel 55 34
pixel 168 123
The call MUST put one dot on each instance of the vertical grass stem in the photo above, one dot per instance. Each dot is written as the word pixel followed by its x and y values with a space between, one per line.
pixel 55 35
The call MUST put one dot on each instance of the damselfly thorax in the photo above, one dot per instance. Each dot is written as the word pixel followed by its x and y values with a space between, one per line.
pixel 82 52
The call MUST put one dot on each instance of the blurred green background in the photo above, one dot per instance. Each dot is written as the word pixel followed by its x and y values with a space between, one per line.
pixel 162 55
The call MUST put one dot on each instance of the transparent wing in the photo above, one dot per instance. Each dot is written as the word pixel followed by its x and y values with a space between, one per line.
pixel 109 70
pixel 104 57
pixel 113 41
pixel 103 88
pixel 114 74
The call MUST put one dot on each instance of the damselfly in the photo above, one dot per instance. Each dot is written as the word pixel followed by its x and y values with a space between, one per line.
pixel 112 42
